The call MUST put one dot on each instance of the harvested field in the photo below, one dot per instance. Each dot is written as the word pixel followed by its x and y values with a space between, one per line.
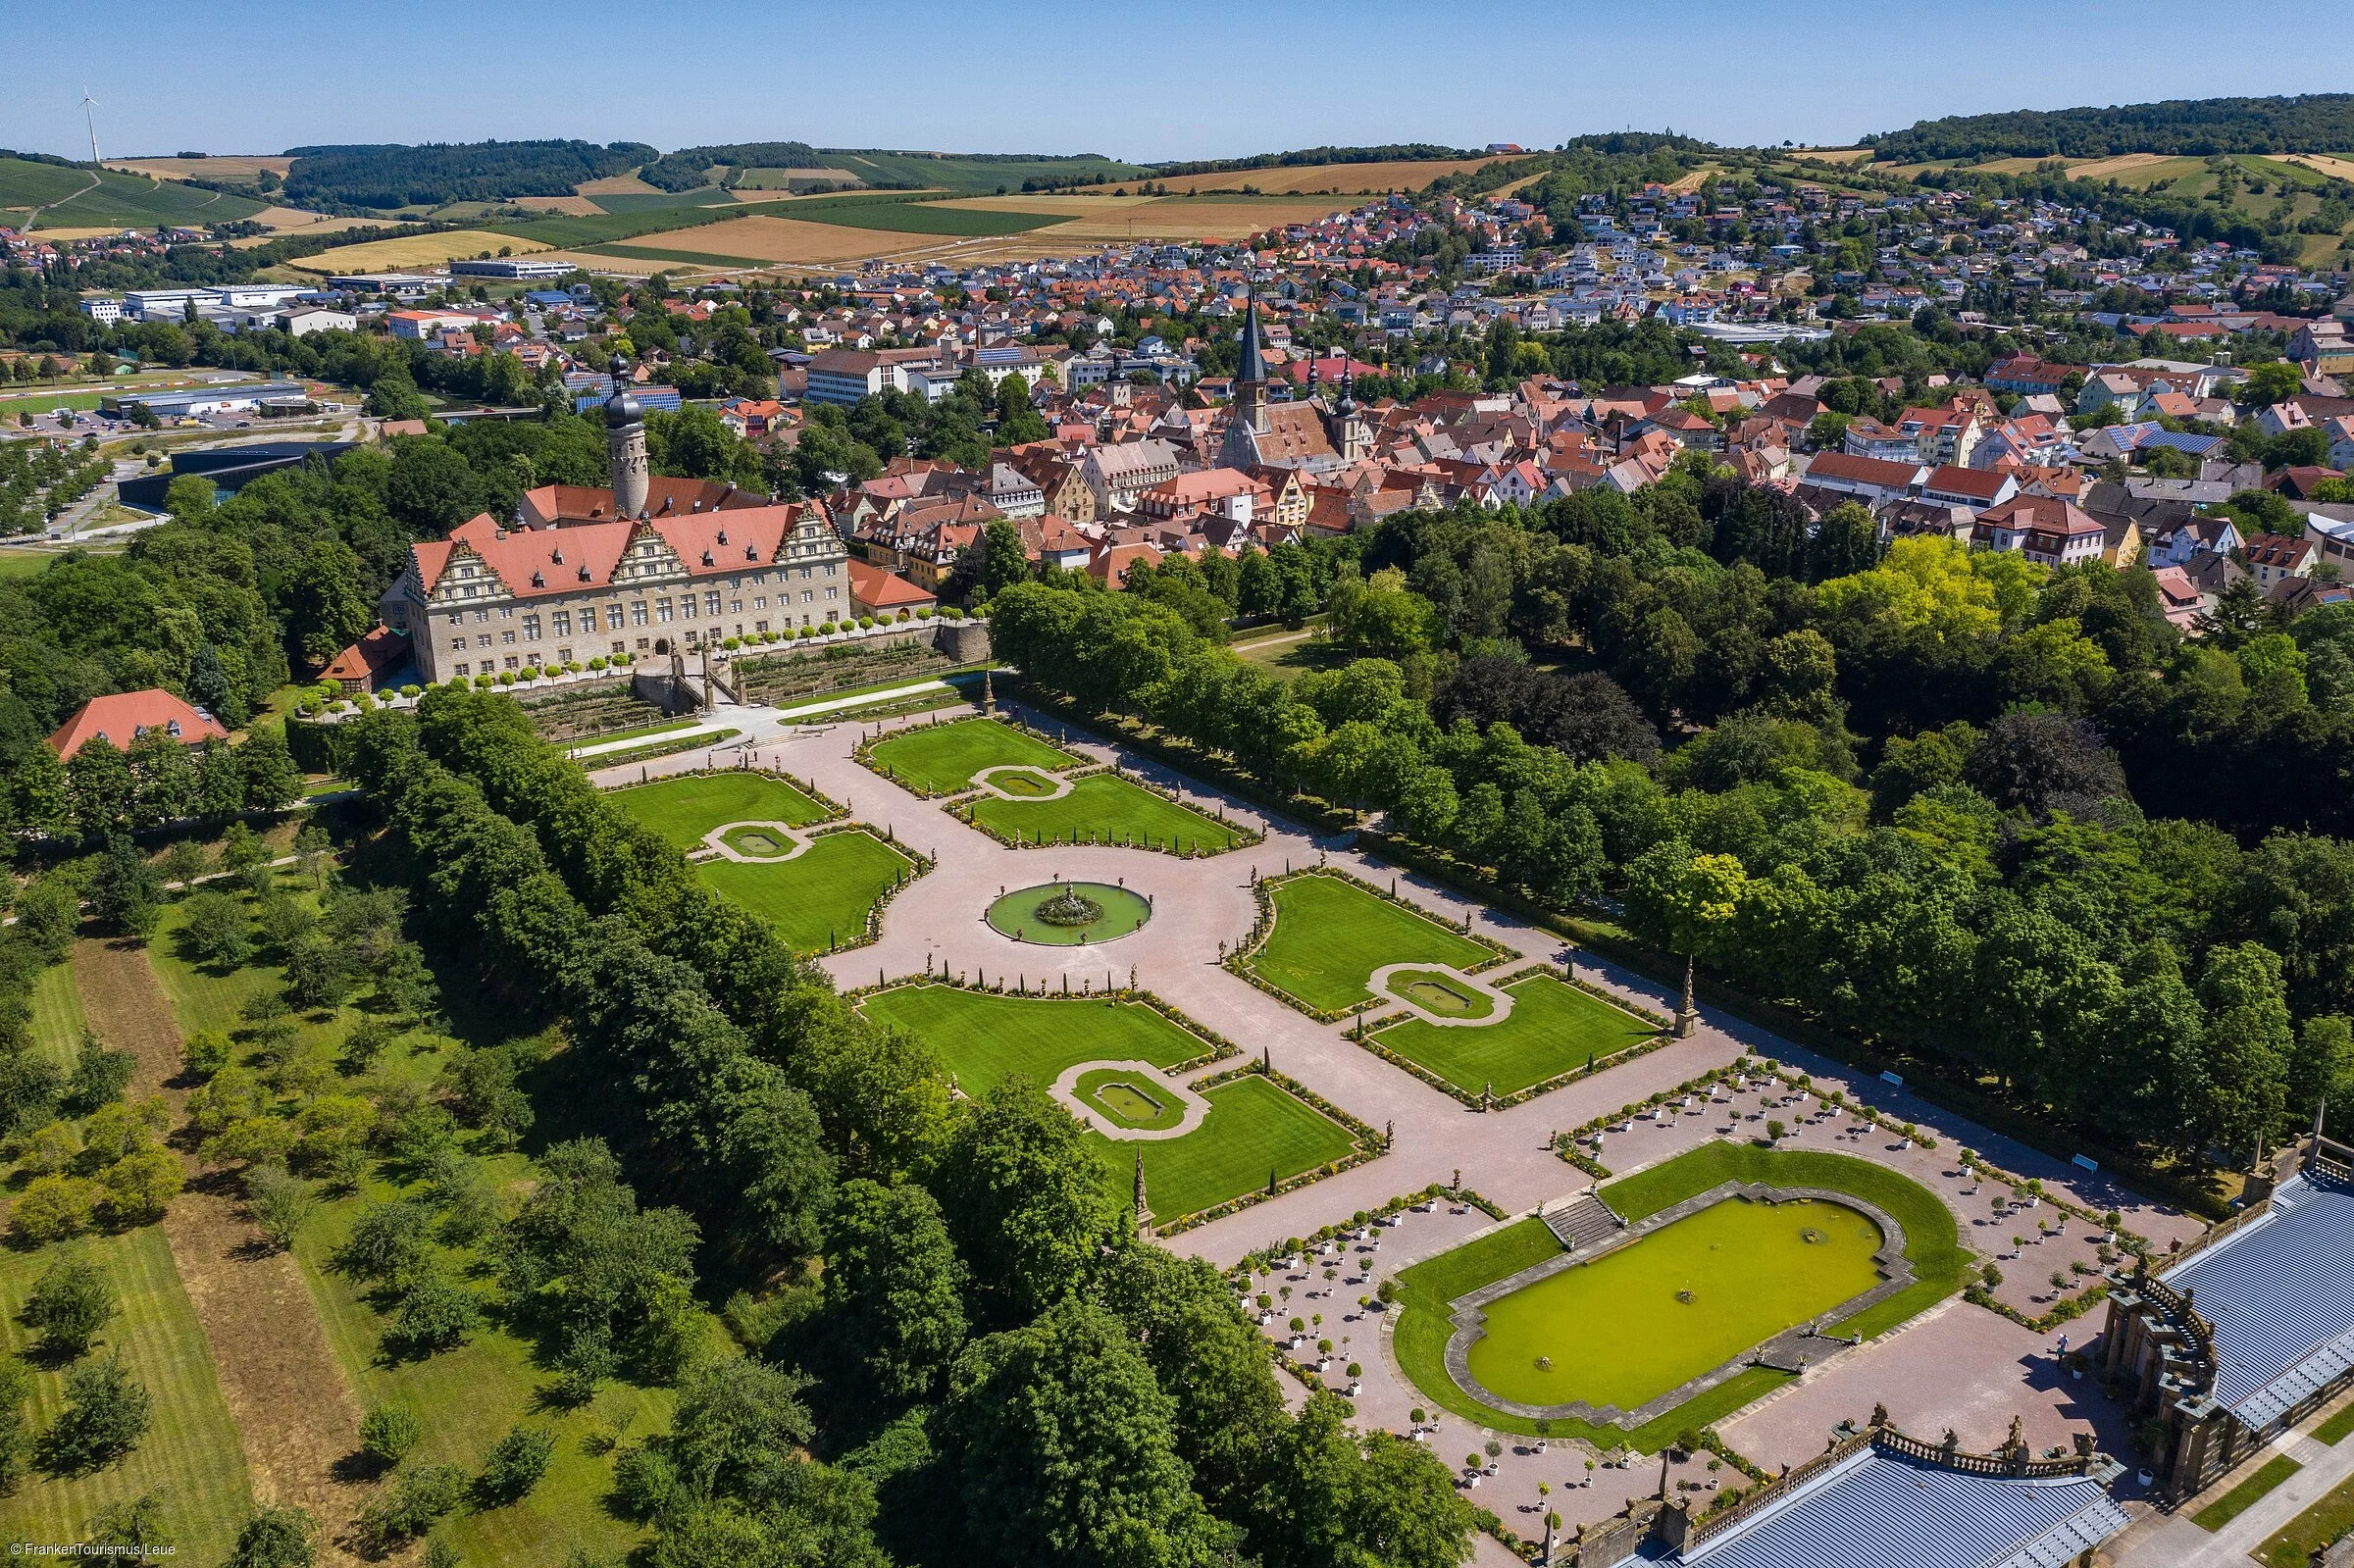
pixel 416 250
pixel 2127 163
pixel 622 265
pixel 616 185
pixel 569 206
pixel 1199 218
pixel 2323 164
pixel 1401 174
pixel 1845 157
pixel 227 166
pixel 1087 204
pixel 775 239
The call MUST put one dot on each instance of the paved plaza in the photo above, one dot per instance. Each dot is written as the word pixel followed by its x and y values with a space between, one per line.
pixel 1957 1365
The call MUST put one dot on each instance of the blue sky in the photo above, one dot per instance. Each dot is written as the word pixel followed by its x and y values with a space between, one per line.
pixel 1142 82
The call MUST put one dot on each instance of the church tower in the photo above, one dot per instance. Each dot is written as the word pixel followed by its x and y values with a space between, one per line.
pixel 1250 377
pixel 624 444
pixel 1248 420
pixel 1352 434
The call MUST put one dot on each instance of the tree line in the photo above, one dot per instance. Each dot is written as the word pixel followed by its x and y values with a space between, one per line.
pixel 992 1368
pixel 1988 897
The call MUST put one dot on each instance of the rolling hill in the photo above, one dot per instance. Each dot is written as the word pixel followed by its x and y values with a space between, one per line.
pixel 73 197
pixel 2178 127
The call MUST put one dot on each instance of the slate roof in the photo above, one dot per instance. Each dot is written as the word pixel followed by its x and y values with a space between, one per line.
pixel 2279 1295
pixel 1876 1509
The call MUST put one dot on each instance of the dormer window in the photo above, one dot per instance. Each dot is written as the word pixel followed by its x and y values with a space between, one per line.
pixel 538 579
pixel 708 559
pixel 557 555
pixel 584 573
pixel 723 536
pixel 751 554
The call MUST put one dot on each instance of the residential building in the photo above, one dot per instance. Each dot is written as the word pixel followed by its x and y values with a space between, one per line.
pixel 2043 528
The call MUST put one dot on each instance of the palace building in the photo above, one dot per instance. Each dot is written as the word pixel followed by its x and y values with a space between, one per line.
pixel 2250 1332
pixel 650 565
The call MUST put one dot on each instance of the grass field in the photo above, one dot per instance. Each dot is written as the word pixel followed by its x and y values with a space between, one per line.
pixel 57 1016
pixel 415 250
pixel 2241 1499
pixel 569 206
pixel 1105 807
pixel 1129 1097
pixel 1200 217
pixel 1253 1127
pixel 1637 1322
pixel 115 200
pixel 818 897
pixel 1255 1133
pixel 954 171
pixel 2293 1544
pixel 2333 1431
pixel 1330 936
pixel 986 1037
pixel 191 1449
pixel 1437 991
pixel 943 758
pixel 685 808
pixel 787 179
pixel 1553 1028
pixel 761 242
pixel 1931 1246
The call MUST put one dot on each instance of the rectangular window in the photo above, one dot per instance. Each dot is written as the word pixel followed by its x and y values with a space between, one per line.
pixel 833 593
pixel 736 606
pixel 619 646
pixel 457 645
pixel 806 595
pixel 507 613
pixel 481 616
pixel 644 643
pixel 561 622
pixel 760 626
pixel 711 602
pixel 829 569
pixel 637 614
pixel 459 670
pixel 510 661
pixel 507 637
pixel 483 640
pixel 761 601
pixel 563 656
pixel 530 629
pixel 662 610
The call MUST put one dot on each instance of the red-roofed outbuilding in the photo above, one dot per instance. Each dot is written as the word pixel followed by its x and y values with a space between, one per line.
pixel 123 718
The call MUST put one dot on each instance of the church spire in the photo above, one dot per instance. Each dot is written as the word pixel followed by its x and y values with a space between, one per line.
pixel 1251 377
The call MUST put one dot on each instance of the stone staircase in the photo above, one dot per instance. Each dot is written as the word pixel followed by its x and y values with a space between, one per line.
pixel 1582 1222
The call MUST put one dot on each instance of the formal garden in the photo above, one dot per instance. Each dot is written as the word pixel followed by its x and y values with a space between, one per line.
pixel 1688 1307
pixel 687 807
pixel 819 898
pixel 1322 935
pixel 945 758
pixel 1260 1131
pixel 1548 1031
pixel 1100 808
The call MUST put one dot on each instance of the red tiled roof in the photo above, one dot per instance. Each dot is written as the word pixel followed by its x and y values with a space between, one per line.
pixel 874 589
pixel 123 717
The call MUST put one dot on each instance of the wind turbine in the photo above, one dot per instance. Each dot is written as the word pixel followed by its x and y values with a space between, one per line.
pixel 90 103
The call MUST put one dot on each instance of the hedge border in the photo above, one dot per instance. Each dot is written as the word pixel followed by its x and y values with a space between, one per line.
pixel 669 748
pixel 834 810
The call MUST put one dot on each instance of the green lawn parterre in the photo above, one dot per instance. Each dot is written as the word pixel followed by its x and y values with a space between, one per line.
pixel 2293 1544
pixel 818 897
pixel 1553 1027
pixel 1331 934
pixel 1427 1290
pixel 1437 991
pixel 191 1449
pixel 1254 1125
pixel 943 758
pixel 685 808
pixel 1619 1332
pixel 1105 808
pixel 2243 1497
